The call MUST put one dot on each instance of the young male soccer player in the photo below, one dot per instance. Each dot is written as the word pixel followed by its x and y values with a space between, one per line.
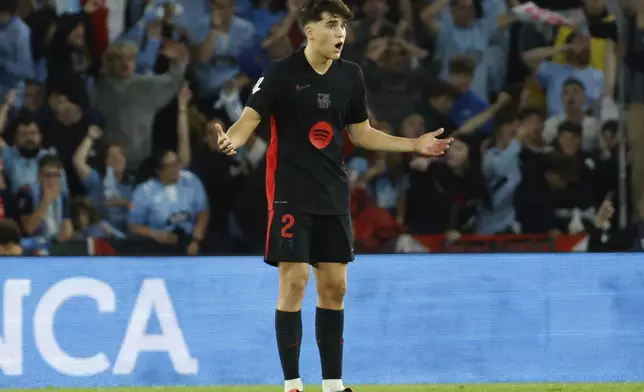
pixel 309 98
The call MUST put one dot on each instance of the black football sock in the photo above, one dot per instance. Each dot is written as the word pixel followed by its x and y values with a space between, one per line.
pixel 288 329
pixel 329 329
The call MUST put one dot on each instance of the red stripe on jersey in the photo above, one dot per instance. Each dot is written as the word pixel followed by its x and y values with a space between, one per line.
pixel 271 167
pixel 271 214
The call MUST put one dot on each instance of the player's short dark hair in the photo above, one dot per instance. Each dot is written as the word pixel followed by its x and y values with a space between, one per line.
pixel 461 65
pixel 313 9
pixel 568 126
pixel 573 82
pixel 529 112
pixel 49 161
pixel 9 232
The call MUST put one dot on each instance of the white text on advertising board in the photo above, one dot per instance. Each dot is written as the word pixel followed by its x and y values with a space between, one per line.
pixel 153 300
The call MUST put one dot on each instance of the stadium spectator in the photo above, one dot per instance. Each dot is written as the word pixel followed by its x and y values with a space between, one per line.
pixel 290 28
pixel 219 40
pixel 574 99
pixel 462 33
pixel 65 131
pixel 413 126
pixel 88 223
pixel 223 178
pixel 453 185
pixel 393 86
pixel 569 143
pixel 435 108
pixel 21 160
pixel 552 76
pixel 129 102
pixel 472 126
pixel 111 192
pixel 9 238
pixel 531 126
pixel 604 37
pixel 33 98
pixel 382 175
pixel 42 206
pixel 370 26
pixel 16 62
pixel 149 34
pixel 502 175
pixel 69 57
pixel 467 105
pixel 264 14
pixel 41 24
pixel 172 208
pixel 635 115
pixel 609 168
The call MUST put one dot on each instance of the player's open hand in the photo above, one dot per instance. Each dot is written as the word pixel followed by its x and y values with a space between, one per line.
pixel 223 141
pixel 429 144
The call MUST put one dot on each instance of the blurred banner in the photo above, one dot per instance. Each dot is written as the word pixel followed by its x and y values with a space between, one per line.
pixel 102 322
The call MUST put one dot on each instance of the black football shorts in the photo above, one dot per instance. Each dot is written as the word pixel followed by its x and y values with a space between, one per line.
pixel 300 237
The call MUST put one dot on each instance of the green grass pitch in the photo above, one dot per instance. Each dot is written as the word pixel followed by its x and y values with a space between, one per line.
pixel 600 387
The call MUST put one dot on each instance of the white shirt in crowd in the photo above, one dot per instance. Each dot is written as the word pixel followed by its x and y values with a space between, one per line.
pixel 590 136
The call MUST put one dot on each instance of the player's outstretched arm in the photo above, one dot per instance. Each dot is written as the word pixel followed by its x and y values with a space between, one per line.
pixel 239 132
pixel 365 136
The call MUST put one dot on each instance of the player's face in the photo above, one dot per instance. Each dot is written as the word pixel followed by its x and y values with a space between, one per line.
pixel 327 35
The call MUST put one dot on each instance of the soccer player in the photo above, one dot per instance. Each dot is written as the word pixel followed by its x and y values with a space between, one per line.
pixel 309 98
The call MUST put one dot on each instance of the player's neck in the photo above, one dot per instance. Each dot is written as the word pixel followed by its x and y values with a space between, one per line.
pixel 319 63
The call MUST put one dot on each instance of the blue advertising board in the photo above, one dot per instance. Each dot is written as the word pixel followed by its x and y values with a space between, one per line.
pixel 77 322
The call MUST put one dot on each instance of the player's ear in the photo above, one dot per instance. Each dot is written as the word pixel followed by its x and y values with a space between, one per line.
pixel 308 32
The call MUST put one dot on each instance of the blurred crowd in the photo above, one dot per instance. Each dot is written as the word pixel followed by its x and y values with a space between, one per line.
pixel 109 112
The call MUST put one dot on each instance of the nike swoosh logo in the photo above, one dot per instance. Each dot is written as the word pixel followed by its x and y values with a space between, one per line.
pixel 301 87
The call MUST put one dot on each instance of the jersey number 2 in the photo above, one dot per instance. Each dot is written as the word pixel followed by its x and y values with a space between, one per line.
pixel 256 86
pixel 288 221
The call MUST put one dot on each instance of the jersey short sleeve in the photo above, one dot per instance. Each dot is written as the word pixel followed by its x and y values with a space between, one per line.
pixel 264 92
pixel 357 111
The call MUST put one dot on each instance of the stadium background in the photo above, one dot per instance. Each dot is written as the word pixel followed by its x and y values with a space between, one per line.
pixel 536 314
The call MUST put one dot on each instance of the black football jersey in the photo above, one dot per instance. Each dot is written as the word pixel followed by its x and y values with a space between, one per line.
pixel 308 113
